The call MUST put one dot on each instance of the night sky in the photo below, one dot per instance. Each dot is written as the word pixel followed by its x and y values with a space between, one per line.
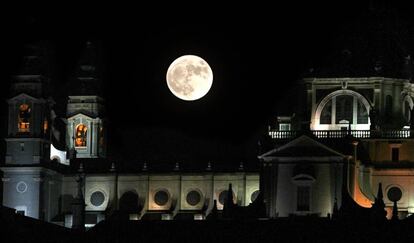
pixel 257 54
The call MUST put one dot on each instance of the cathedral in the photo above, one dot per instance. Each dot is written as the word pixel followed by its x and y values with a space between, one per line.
pixel 350 131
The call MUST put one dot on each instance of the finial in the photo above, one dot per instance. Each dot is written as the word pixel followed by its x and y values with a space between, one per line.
pixel 177 166
pixel 80 170
pixel 113 169
pixel 241 167
pixel 208 166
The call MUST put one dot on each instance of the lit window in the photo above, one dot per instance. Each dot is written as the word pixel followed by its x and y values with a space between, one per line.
pixel 284 127
pixel 80 136
pixel 24 116
pixel 45 126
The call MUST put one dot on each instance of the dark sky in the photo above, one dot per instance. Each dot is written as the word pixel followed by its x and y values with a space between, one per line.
pixel 256 53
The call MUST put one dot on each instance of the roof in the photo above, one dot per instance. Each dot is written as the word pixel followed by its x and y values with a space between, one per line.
pixel 302 147
pixel 104 165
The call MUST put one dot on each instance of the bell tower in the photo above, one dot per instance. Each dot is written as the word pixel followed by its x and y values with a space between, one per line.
pixel 28 136
pixel 86 128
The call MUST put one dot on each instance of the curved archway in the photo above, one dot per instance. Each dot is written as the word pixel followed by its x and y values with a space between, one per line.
pixel 344 107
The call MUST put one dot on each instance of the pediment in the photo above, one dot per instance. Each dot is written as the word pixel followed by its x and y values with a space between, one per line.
pixel 79 115
pixel 25 97
pixel 302 148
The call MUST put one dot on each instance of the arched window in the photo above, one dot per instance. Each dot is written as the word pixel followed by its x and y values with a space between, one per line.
pixel 80 135
pixel 24 116
pixel 341 108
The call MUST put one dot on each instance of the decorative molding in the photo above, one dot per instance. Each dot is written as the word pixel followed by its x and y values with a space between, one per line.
pixel 5 179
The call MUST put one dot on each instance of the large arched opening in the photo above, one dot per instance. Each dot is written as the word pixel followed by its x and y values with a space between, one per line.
pixel 342 109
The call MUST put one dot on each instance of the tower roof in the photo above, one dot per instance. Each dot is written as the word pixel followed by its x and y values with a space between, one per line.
pixel 87 73
pixel 32 72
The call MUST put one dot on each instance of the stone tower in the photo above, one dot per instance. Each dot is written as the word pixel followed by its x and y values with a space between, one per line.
pixel 85 110
pixel 28 137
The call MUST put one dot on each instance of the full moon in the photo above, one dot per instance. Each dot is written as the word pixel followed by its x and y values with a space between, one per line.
pixel 189 77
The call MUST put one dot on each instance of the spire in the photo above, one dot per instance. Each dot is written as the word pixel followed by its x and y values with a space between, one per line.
pixel 408 68
pixel 80 170
pixel 379 193
pixel 30 77
pixel 87 72
pixel 394 212
pixel 241 166
pixel 228 203
pixel 378 207
pixel 32 61
pixel 113 168
pixel 214 212
pixel 78 207
pixel 335 209
pixel 208 166
pixel 177 166
pixel 145 166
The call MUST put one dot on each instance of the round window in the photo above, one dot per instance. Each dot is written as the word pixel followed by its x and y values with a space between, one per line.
pixel 193 198
pixel 161 198
pixel 97 198
pixel 223 196
pixel 254 195
pixel 21 187
pixel 394 194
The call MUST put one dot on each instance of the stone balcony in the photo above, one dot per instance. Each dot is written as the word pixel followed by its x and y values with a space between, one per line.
pixel 364 134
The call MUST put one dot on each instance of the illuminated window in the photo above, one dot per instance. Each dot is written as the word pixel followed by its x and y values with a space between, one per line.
pixel 24 116
pixel 284 127
pixel 80 136
pixel 45 126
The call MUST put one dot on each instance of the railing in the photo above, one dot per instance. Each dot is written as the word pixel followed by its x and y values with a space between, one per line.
pixel 393 134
